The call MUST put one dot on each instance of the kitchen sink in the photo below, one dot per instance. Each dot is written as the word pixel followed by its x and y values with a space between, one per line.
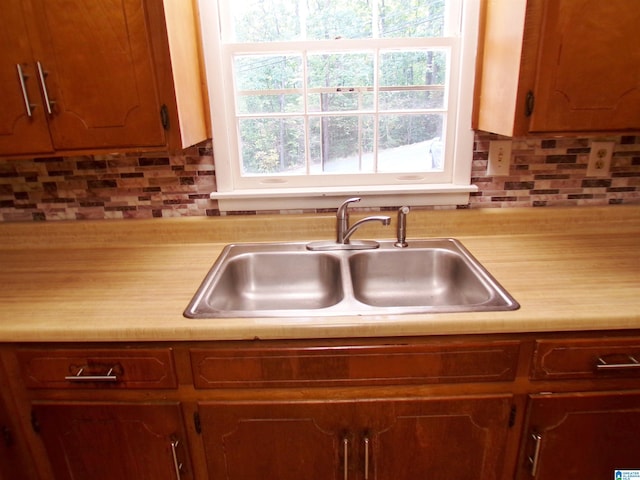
pixel 287 279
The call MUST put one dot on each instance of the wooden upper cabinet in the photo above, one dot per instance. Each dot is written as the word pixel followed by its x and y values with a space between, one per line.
pixel 558 66
pixel 111 74
pixel 23 122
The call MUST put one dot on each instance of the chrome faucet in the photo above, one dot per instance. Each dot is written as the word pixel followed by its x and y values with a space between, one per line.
pixel 344 231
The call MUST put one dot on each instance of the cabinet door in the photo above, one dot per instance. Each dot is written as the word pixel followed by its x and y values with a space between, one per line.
pixel 588 75
pixel 578 436
pixel 98 62
pixel 438 439
pixel 462 438
pixel 23 124
pixel 276 440
pixel 107 441
pixel 12 465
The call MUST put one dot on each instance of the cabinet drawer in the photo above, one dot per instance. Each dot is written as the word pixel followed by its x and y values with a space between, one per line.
pixel 354 365
pixel 586 358
pixel 97 368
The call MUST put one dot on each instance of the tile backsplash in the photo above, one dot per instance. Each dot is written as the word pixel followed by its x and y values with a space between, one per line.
pixel 544 172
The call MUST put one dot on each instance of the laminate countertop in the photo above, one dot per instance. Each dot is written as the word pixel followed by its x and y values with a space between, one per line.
pixel 571 269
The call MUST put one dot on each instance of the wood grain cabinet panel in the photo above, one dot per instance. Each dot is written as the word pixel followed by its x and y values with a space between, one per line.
pixel 558 66
pixel 354 365
pixel 97 368
pixel 462 438
pixel 586 358
pixel 14 463
pixel 581 435
pixel 23 121
pixel 108 441
pixel 101 75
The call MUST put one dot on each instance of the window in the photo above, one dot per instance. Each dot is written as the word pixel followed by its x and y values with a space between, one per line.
pixel 317 99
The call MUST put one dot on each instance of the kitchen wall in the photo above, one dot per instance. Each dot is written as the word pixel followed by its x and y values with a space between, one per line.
pixel 544 173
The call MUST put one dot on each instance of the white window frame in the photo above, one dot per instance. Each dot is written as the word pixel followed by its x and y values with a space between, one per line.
pixel 277 193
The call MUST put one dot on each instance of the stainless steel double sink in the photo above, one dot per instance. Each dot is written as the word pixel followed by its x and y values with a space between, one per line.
pixel 288 280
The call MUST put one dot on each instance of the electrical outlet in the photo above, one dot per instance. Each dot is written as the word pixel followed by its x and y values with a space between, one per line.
pixel 600 159
pixel 499 157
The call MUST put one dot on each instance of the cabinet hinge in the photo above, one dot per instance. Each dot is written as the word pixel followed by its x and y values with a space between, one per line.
pixel 7 436
pixel 164 117
pixel 512 416
pixel 529 103
pixel 34 422
pixel 196 422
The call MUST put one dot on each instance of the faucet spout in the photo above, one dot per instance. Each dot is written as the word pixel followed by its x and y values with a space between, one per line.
pixel 383 219
pixel 344 231
pixel 342 218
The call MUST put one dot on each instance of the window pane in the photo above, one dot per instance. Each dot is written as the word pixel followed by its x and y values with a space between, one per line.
pixel 340 70
pixel 333 19
pixel 281 103
pixel 272 145
pixel 413 79
pixel 264 20
pixel 341 144
pixel 350 99
pixel 340 82
pixel 410 143
pixel 256 76
pixel 411 99
pixel 289 20
pixel 411 18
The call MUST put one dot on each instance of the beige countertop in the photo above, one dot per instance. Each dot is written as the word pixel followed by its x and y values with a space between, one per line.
pixel 569 268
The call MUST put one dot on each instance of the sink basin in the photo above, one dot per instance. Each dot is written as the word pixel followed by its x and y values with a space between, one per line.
pixel 434 277
pixel 286 280
pixel 263 278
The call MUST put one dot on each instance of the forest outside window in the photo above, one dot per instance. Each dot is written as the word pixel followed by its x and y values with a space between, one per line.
pixel 319 98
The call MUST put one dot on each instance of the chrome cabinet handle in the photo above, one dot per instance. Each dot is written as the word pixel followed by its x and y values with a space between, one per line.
pixel 345 451
pixel 110 376
pixel 47 102
pixel 537 439
pixel 177 465
pixel 632 364
pixel 366 458
pixel 25 95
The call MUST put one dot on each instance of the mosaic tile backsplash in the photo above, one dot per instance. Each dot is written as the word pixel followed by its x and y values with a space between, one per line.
pixel 544 172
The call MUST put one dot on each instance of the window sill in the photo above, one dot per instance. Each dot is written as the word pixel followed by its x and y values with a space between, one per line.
pixel 331 197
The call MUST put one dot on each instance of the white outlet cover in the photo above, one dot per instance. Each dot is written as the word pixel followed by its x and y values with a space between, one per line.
pixel 499 157
pixel 600 159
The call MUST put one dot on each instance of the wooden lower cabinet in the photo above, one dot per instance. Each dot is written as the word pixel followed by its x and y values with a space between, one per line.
pixel 12 464
pixel 481 407
pixel 113 441
pixel 381 439
pixel 576 436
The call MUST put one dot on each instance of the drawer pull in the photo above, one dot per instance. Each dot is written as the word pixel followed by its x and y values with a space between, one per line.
pixel 110 376
pixel 48 103
pixel 632 364
pixel 28 106
pixel 366 458
pixel 177 465
pixel 345 466
pixel 534 459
